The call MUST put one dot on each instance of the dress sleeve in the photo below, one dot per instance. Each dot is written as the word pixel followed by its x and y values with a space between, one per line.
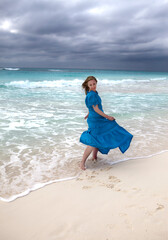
pixel 92 99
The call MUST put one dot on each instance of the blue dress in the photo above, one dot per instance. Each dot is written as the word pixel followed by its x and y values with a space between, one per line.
pixel 103 133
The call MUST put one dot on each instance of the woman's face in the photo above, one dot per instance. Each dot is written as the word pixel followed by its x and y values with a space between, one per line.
pixel 92 85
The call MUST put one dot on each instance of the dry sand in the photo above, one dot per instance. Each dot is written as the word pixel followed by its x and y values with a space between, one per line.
pixel 124 201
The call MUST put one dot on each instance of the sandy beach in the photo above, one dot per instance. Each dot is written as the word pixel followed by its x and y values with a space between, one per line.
pixel 76 75
pixel 128 200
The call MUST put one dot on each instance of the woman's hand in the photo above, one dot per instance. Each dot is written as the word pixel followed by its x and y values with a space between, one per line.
pixel 86 116
pixel 110 118
pixel 96 109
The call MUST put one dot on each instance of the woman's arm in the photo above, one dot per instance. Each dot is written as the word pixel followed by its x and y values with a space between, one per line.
pixel 96 109
pixel 87 116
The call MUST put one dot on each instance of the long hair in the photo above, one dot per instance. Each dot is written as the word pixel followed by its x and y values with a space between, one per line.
pixel 85 83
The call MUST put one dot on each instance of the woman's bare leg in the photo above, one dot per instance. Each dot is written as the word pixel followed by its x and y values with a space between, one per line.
pixel 95 150
pixel 86 154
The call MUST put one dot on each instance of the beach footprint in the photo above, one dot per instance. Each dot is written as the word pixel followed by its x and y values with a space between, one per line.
pixel 159 207
pixel 114 179
pixel 86 187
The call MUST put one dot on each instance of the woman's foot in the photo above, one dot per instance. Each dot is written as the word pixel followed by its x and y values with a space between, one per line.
pixel 94 155
pixel 86 154
pixel 82 166
pixel 94 159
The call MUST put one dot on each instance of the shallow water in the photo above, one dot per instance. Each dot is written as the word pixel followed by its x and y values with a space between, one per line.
pixel 42 117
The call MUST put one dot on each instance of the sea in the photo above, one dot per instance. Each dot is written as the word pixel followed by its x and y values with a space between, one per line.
pixel 42 117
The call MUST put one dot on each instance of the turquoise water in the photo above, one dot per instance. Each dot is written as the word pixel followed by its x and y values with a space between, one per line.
pixel 42 116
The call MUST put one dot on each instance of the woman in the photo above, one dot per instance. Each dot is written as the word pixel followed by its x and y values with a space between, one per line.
pixel 103 133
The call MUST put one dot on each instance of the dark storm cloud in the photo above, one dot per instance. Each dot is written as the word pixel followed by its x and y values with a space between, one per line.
pixel 109 34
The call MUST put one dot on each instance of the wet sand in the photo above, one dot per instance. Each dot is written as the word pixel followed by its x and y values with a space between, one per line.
pixel 128 200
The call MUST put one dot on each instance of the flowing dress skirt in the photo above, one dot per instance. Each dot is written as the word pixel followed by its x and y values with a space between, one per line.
pixel 105 135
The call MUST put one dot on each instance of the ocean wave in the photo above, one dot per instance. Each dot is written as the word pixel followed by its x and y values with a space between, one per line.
pixel 11 69
pixel 130 81
pixel 122 81
pixel 158 79
pixel 55 70
pixel 43 84
pixel 72 83
pixel 2 86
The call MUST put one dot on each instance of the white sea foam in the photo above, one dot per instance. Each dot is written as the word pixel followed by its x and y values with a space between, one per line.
pixel 124 80
pixel 160 78
pixel 134 158
pixel 47 116
pixel 41 185
pixel 70 83
pixel 55 70
pixel 14 125
pixel 12 69
pixel 44 84
pixel 35 187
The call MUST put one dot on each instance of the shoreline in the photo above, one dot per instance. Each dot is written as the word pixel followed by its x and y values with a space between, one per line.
pixel 42 185
pixel 128 200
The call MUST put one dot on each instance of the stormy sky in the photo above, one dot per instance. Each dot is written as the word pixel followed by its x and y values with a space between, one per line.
pixel 108 34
